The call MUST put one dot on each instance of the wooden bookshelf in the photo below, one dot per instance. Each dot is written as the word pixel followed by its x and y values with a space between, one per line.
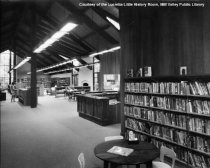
pixel 177 109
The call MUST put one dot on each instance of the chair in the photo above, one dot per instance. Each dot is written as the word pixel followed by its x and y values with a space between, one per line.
pixel 164 151
pixel 81 159
pixel 109 138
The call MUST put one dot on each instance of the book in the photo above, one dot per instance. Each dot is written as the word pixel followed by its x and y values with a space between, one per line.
pixel 120 150
pixel 130 73
pixel 147 71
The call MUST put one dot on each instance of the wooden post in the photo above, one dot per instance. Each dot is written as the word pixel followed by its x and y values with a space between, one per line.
pixel 10 57
pixel 14 63
pixel 33 58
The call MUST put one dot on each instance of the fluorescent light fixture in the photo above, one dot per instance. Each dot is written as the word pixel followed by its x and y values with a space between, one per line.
pixel 22 62
pixel 57 65
pixel 76 62
pixel 62 70
pixel 63 57
pixel 55 37
pixel 68 27
pixel 116 24
pixel 58 35
pixel 105 51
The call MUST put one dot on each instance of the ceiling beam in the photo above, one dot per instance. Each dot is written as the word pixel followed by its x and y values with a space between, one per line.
pixel 42 59
pixel 51 57
pixel 84 63
pixel 77 40
pixel 105 14
pixel 66 43
pixel 70 48
pixel 85 19
pixel 71 36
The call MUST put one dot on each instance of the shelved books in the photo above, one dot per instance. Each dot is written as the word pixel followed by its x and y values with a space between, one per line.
pixel 198 161
pixel 199 125
pixel 171 103
pixel 177 112
pixel 182 87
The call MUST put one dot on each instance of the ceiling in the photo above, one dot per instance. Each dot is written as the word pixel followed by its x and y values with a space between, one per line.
pixel 27 24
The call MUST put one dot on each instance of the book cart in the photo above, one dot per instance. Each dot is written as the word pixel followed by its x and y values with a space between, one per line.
pixel 171 111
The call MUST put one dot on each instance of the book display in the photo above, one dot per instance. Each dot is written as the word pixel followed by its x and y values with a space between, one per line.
pixel 171 111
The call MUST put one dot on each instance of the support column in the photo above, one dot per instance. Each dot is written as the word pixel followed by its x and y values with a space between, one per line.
pixel 10 56
pixel 33 81
pixel 33 58
pixel 14 70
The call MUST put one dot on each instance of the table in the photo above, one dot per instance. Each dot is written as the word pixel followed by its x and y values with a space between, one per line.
pixel 143 153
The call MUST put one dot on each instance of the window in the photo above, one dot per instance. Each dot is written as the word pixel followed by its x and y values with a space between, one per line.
pixel 5 67
pixel 96 72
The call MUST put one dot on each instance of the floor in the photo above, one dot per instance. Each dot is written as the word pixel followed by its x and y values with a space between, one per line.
pixel 49 136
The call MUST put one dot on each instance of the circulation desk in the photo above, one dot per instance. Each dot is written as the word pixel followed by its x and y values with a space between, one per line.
pixel 25 96
pixel 99 108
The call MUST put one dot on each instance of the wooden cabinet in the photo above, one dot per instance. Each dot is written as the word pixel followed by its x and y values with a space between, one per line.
pixel 98 109
pixel 25 97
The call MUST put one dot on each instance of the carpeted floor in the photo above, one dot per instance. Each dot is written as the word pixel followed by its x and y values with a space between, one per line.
pixel 49 136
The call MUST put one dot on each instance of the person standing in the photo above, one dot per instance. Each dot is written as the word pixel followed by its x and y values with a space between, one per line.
pixel 13 91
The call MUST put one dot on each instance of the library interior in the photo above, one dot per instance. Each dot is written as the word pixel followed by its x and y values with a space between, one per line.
pixel 104 84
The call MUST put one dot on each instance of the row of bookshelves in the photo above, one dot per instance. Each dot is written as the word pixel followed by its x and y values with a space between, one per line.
pixel 173 111
pixel 189 158
pixel 188 97
pixel 173 136
pixel 181 88
pixel 181 122
pixel 170 126
pixel 182 105
pixel 193 160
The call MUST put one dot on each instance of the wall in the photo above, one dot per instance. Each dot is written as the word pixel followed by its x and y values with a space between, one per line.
pixel 110 64
pixel 166 38
pixel 85 75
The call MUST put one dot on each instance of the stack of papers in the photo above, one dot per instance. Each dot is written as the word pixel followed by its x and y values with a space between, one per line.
pixel 120 150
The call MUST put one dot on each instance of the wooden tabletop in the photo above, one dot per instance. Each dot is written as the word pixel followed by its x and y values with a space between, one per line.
pixel 144 152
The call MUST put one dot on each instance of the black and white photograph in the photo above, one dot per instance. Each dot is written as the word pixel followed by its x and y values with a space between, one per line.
pixel 105 83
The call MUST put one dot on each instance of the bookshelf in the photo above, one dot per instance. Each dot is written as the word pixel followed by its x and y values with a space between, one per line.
pixel 173 111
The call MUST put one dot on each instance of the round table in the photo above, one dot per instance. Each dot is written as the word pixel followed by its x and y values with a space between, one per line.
pixel 143 153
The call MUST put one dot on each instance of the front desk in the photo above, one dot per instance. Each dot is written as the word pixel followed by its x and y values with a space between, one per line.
pixel 99 108
pixel 25 97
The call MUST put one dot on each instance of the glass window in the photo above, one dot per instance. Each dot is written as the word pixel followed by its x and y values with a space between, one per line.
pixel 4 67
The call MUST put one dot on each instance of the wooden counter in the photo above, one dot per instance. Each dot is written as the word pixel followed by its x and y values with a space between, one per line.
pixel 98 109
pixel 2 96
pixel 24 97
